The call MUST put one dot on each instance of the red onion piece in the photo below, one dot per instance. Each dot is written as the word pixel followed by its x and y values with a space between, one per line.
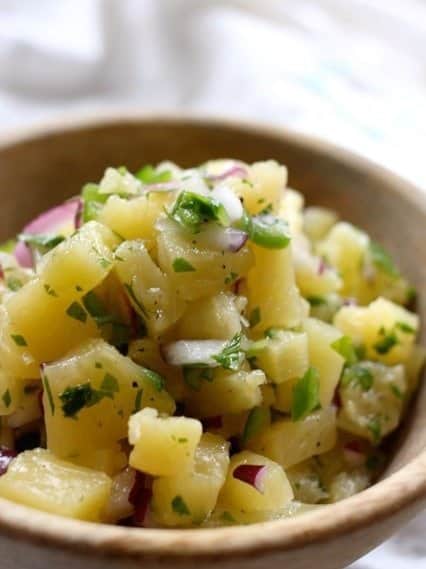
pixel 51 221
pixel 140 497
pixel 212 422
pixel 235 171
pixel 252 474
pixel 192 352
pixel 6 457
pixel 350 301
pixel 1 272
pixel 353 457
pixel 337 400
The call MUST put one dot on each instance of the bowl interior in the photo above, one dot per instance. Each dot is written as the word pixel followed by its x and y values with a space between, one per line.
pixel 39 171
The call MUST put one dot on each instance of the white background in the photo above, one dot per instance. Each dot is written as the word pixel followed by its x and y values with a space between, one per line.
pixel 351 71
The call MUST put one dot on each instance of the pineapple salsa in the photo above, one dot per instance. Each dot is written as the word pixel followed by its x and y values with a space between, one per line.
pixel 194 347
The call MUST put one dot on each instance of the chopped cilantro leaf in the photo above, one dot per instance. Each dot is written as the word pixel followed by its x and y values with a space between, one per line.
pixel 232 356
pixel 228 518
pixel 388 341
pixel 110 383
pixel 358 374
pixel 49 290
pixel 345 348
pixel 272 332
pixel 396 391
pixel 75 398
pixel 8 246
pixel 138 401
pixel 192 210
pixel 231 278
pixel 305 395
pixel 76 311
pixel 316 300
pixel 19 340
pixel 254 317
pixel 375 429
pixel 13 284
pixel 179 506
pixel 181 265
pixel 382 260
pixel 406 328
pixel 149 175
pixel 155 378
pixel 193 376
pixel 6 398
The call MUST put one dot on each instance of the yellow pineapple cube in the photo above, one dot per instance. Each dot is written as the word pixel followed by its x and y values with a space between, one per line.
pixel 163 446
pixel 40 480
pixel 288 443
pixel 189 497
pixel 255 483
pixel 285 356
pixel 264 188
pixel 89 396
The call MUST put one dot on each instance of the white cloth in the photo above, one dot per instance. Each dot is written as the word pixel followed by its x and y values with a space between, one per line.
pixel 351 71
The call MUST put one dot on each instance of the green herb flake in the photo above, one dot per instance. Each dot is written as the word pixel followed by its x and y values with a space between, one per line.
pixel 149 175
pixel 257 419
pixel 155 378
pixel 231 278
pixel 358 375
pixel 316 300
pixel 13 284
pixel 227 518
pixel 254 317
pixel 8 246
pixel 19 340
pixel 75 398
pixel 49 392
pixel 191 210
pixel 346 349
pixel 272 332
pixel 110 384
pixel 194 376
pixel 182 440
pixel 43 243
pixel 305 395
pixel 6 398
pixel 98 365
pixel 76 311
pixel 93 201
pixel 181 265
pixel 375 429
pixel 138 401
pixel 396 391
pixel 49 290
pixel 406 328
pixel 179 506
pixel 388 341
pixel 382 260
pixel 232 356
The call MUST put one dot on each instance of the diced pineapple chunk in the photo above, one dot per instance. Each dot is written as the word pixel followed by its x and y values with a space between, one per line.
pixel 79 263
pixel 211 270
pixel 264 187
pixel 272 290
pixel 189 497
pixel 387 330
pixel 323 357
pixel 163 446
pixel 37 326
pixel 135 218
pixel 148 289
pixel 252 489
pixel 288 443
pixel 314 278
pixel 213 318
pixel 306 482
pixel 413 368
pixel 285 356
pixel 89 396
pixel 345 247
pixel 290 209
pixel 318 221
pixel 228 392
pixel 372 397
pixel 40 480
pixel 346 484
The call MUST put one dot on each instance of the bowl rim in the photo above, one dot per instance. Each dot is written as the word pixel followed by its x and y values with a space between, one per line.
pixel 403 489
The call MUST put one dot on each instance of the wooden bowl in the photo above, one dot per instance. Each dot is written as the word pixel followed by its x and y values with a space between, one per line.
pixel 42 167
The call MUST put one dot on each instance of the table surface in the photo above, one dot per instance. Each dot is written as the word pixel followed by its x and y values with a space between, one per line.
pixel 353 72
